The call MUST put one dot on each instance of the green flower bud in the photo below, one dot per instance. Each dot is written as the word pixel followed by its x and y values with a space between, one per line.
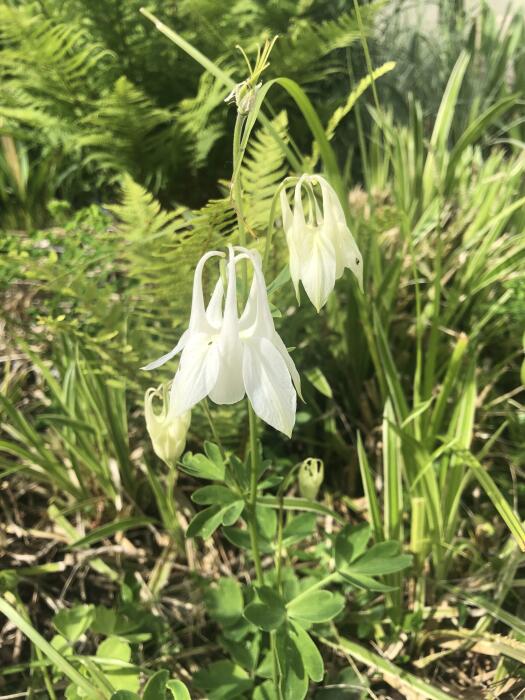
pixel 243 95
pixel 167 431
pixel 311 474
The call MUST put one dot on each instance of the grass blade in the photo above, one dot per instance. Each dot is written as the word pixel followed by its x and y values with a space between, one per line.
pixel 50 652
pixel 388 670
pixel 370 492
pixel 500 503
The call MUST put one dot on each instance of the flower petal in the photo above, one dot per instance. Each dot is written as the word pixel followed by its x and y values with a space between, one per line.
pixel 229 387
pixel 258 307
pixel 165 358
pixel 290 364
pixel 346 251
pixel 318 269
pixel 293 240
pixel 286 211
pixel 268 384
pixel 197 373
pixel 214 308
pixel 198 321
pixel 353 258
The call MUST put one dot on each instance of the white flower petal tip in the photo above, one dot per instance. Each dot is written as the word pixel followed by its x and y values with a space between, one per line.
pixel 320 243
pixel 226 355
pixel 158 363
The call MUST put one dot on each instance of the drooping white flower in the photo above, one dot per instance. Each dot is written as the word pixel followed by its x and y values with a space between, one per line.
pixel 225 356
pixel 319 243
pixel 166 430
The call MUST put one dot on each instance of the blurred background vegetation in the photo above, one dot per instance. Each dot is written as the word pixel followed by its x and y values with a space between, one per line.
pixel 115 154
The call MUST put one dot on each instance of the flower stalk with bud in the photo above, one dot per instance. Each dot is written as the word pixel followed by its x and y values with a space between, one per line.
pixel 231 350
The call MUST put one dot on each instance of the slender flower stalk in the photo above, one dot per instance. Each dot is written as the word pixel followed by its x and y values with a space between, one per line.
pixel 319 241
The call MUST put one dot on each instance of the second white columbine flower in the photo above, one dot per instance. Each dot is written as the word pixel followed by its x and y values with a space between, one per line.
pixel 319 241
pixel 225 356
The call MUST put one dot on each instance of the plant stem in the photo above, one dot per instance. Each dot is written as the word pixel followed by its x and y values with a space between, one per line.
pixel 367 53
pixel 252 504
pixel 214 432
pixel 237 198
pixel 316 586
pixel 252 501
pixel 359 125
pixel 252 419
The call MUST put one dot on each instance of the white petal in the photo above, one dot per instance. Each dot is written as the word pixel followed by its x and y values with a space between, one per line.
pixel 250 310
pixel 162 360
pixel 294 261
pixel 290 364
pixel 214 308
pixel 298 210
pixel 268 384
pixel 197 373
pixel 318 269
pixel 353 258
pixel 334 223
pixel 263 321
pixel 229 387
pixel 230 322
pixel 332 209
pixel 198 321
pixel 286 211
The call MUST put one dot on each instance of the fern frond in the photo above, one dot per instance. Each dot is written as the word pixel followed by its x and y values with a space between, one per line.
pixel 160 250
pixel 56 61
pixel 298 53
pixel 127 132
pixel 195 117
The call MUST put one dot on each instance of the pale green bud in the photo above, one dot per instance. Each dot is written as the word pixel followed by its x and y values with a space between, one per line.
pixel 166 430
pixel 311 474
pixel 243 95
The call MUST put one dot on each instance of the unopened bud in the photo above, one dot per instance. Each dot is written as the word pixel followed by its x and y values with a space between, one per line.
pixel 167 431
pixel 311 474
pixel 243 95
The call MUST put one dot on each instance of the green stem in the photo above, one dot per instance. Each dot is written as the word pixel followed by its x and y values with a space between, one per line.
pixel 252 521
pixel 315 587
pixel 360 129
pixel 214 432
pixel 252 501
pixel 252 419
pixel 280 522
pixel 237 198
pixel 367 53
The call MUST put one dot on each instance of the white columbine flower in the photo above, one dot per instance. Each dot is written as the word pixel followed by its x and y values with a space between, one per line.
pixel 225 356
pixel 320 244
pixel 167 431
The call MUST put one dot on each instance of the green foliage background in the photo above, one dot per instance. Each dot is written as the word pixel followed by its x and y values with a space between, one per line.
pixel 115 154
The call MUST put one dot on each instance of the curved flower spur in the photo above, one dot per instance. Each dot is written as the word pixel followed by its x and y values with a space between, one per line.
pixel 320 244
pixel 225 356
